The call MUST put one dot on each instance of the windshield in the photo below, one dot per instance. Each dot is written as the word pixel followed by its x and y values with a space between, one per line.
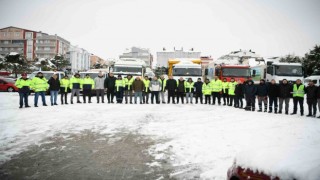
pixel 236 72
pixel 134 70
pixel 187 72
pixel 288 70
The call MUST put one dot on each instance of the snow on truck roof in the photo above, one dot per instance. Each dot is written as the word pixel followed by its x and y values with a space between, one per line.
pixel 130 61
pixel 285 63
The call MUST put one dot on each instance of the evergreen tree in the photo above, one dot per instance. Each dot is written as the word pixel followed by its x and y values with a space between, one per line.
pixel 16 63
pixel 291 58
pixel 312 61
pixel 60 62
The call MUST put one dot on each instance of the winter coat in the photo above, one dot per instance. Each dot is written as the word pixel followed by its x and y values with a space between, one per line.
pixel 155 85
pixel 285 90
pixel 250 91
pixel 54 84
pixel 23 85
pixel 239 90
pixel 110 83
pixel 87 83
pixel 138 85
pixel 39 84
pixel 99 82
pixel 311 92
pixel 318 92
pixel 262 89
pixel 273 90
pixel 75 83
pixel 198 86
pixel 171 84
pixel 189 87
pixel 181 86
pixel 206 88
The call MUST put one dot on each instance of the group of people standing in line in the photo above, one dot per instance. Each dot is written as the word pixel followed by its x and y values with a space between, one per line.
pixel 232 92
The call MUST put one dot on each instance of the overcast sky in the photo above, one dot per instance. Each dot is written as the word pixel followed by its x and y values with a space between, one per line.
pixel 214 27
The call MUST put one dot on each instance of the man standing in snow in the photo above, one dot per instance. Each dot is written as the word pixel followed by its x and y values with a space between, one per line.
pixel 171 86
pixel 284 95
pixel 189 88
pixel 311 92
pixel 75 86
pixel 225 91
pixel 216 86
pixel 273 94
pixel 262 92
pixel 146 91
pixel 198 88
pixel 298 97
pixel 23 84
pixel 40 86
pixel 239 91
pixel 206 90
pixel 155 87
pixel 163 82
pixel 110 84
pixel 128 89
pixel 64 85
pixel 231 91
pixel 54 84
pixel 250 92
pixel 87 86
pixel 120 84
pixel 180 89
pixel 99 85
pixel 138 87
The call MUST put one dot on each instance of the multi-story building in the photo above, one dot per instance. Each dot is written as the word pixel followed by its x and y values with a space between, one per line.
pixel 164 56
pixel 139 53
pixel 31 44
pixel 79 59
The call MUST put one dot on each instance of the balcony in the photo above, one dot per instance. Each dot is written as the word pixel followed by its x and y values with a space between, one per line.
pixel 42 51
pixel 46 37
pixel 46 44
pixel 11 45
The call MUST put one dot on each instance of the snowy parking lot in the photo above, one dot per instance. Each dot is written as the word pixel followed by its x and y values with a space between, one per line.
pixel 182 141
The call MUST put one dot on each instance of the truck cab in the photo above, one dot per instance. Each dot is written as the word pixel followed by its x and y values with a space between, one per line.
pixel 129 66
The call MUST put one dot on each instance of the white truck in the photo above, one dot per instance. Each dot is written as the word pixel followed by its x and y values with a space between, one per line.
pixel 185 68
pixel 128 66
pixel 278 71
pixel 315 77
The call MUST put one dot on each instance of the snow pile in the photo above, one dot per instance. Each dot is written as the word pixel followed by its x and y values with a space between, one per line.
pixel 197 139
pixel 13 53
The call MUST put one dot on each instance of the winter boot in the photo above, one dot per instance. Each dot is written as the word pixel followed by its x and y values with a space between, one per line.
pixel 276 110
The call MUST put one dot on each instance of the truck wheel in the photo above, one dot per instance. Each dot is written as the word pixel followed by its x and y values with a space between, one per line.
pixel 10 89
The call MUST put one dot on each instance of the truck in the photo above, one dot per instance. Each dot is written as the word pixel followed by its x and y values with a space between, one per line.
pixel 272 69
pixel 238 72
pixel 186 68
pixel 128 66
pixel 315 77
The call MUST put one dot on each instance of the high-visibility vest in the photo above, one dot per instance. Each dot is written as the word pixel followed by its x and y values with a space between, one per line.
pixel 75 80
pixel 88 81
pixel 23 83
pixel 120 83
pixel 163 84
pixel 216 85
pixel 64 83
pixel 232 88
pixel 128 82
pixel 188 85
pixel 298 92
pixel 225 85
pixel 39 84
pixel 206 89
pixel 146 84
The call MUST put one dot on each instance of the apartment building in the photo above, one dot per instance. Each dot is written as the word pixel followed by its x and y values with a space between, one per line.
pixel 32 44
pixel 139 53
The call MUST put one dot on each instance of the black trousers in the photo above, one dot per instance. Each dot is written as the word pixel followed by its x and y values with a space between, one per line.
pixel 297 100
pixel 251 103
pixel 86 92
pixel 207 99
pixel 171 95
pixel 312 106
pixel 110 95
pixel 155 95
pixel 145 97
pixel 231 99
pixel 273 101
pixel 238 101
pixel 216 95
pixel 24 97
pixel 199 95
pixel 225 96
pixel 180 95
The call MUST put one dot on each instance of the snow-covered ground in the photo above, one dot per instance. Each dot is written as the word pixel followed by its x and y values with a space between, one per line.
pixel 204 137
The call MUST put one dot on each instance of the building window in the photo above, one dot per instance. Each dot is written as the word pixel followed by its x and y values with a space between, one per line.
pixel 4 34
pixel 17 34
pixel 29 35
pixel 47 48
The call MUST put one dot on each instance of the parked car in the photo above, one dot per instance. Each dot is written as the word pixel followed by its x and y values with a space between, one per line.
pixel 7 84
pixel 240 173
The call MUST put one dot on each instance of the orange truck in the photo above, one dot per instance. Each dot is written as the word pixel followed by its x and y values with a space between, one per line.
pixel 238 72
